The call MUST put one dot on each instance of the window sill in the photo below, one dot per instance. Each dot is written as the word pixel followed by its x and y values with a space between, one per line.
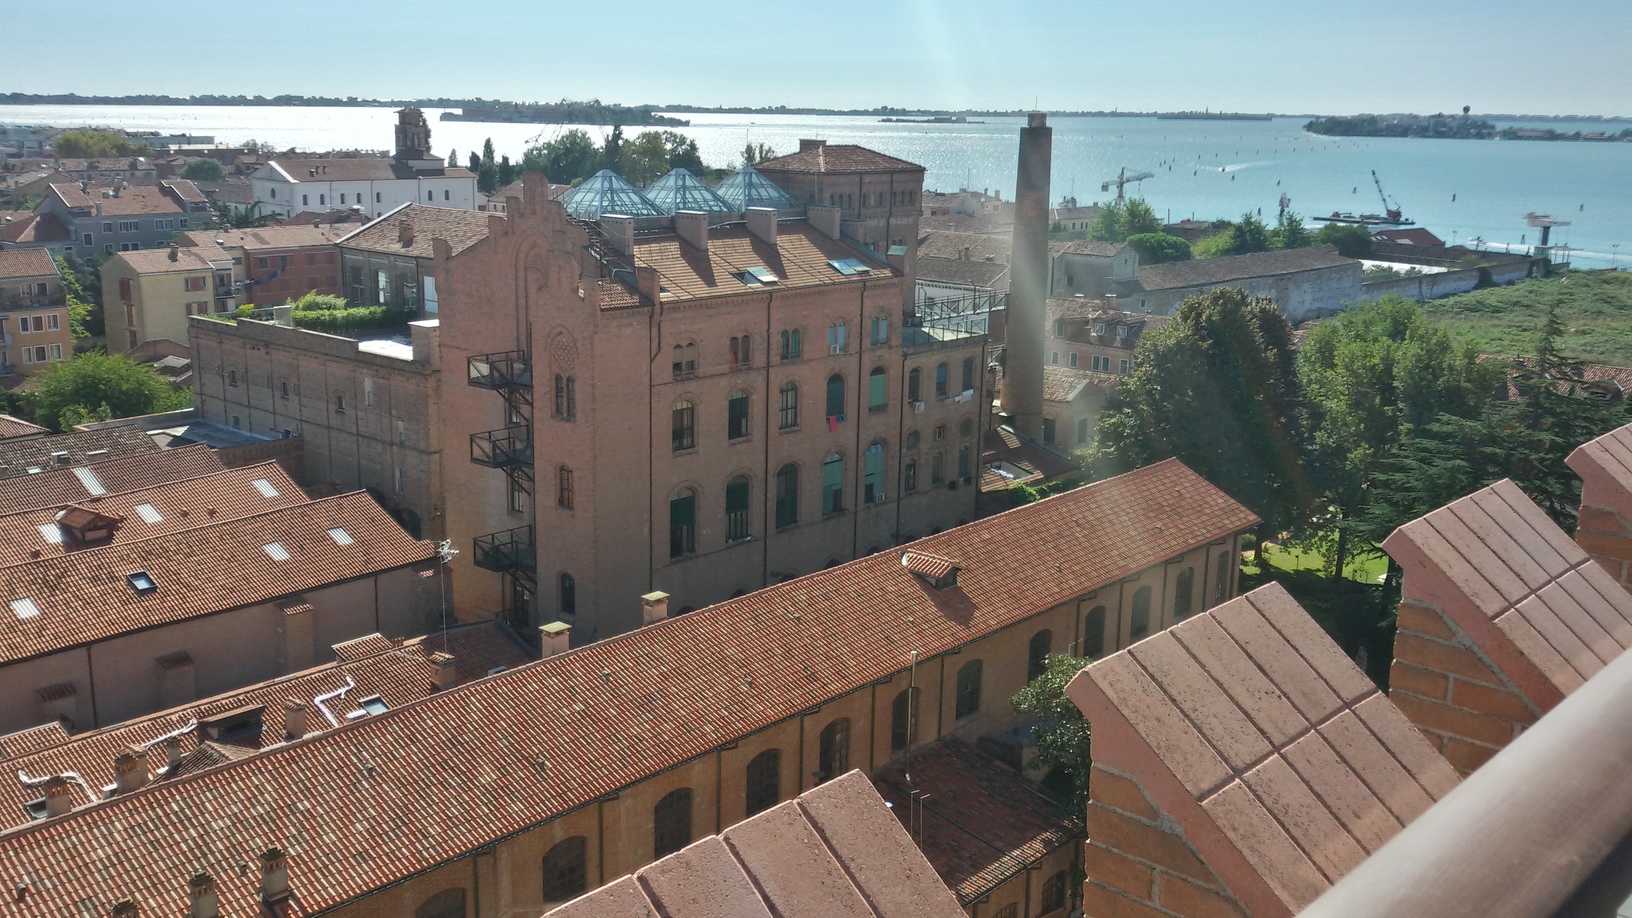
pixel 733 441
pixel 877 409
pixel 788 430
pixel 690 450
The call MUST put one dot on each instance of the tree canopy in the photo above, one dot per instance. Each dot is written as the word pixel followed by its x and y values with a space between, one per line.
pixel 204 170
pixel 1062 733
pixel 1351 239
pixel 86 143
pixel 1159 248
pixel 1118 220
pixel 568 158
pixel 97 386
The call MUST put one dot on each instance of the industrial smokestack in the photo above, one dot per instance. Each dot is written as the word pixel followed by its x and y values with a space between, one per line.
pixel 1028 281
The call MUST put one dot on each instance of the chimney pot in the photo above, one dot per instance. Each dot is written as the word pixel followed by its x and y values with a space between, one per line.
pixel 446 675
pixel 824 219
pixel 174 252
pixel 405 233
pixel 130 770
pixel 57 800
pixel 294 719
pixel 172 752
pixel 762 224
pixel 556 637
pixel 274 875
pixel 807 144
pixel 655 607
pixel 202 899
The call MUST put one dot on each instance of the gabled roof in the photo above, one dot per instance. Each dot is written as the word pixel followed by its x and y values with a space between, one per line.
pixel 188 258
pixel 20 263
pixel 606 192
pixel 17 427
pixel 1061 384
pixel 747 188
pixel 959 272
pixel 168 197
pixel 35 229
pixel 835 851
pixel 1199 272
pixel 800 258
pixel 287 236
pixel 585 723
pixel 680 190
pixel 1093 247
pixel 349 169
pixel 461 228
pixel 838 157
pixel 968 246
pixel 55 486
pixel 20 457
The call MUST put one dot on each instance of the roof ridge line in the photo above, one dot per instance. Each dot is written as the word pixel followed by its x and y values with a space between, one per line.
pixel 151 487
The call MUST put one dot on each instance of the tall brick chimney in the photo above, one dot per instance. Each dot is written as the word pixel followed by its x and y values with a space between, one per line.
pixel 446 675
pixel 274 875
pixel 57 796
pixel 130 770
pixel 202 901
pixel 1028 283
pixel 295 723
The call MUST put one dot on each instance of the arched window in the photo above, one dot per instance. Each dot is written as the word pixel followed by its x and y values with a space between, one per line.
pixel 1042 644
pixel 968 374
pixel 1140 620
pixel 764 784
pixel 835 396
pixel 787 415
pixel 909 475
pixel 787 496
pixel 904 720
pixel 1054 893
pixel 937 469
pixel 966 428
pixel 685 426
pixel 671 823
pixel 942 384
pixel 832 484
pixel 963 463
pixel 912 439
pixel 736 416
pixel 877 397
pixel 564 874
pixel 569 595
pixel 791 345
pixel 837 338
pixel 914 385
pixel 563 487
pixel 968 697
pixel 740 354
pixel 1221 589
pixel 833 752
pixel 1093 633
pixel 736 509
pixel 1184 589
pixel 683 523
pixel 685 361
pixel 449 903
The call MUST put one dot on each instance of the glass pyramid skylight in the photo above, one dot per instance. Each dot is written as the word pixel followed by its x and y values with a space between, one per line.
pixel 747 188
pixel 680 190
pixel 607 193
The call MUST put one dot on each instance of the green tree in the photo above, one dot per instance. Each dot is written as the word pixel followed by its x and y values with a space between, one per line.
pixel 475 164
pixel 1063 734
pixel 1159 248
pixel 644 158
pixel 100 386
pixel 507 172
pixel 612 150
pixel 1139 218
pixel 1289 232
pixel 83 285
pixel 85 143
pixel 564 160
pixel 1352 240
pixel 683 153
pixel 204 170
pixel 1216 386
pixel 754 154
pixel 453 158
pixel 1249 235
pixel 487 170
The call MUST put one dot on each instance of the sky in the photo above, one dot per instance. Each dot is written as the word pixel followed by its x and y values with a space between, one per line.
pixel 1292 56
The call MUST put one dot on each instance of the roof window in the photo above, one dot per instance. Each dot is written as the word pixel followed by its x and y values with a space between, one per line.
pixel 276 551
pixel 374 704
pixel 759 277
pixel 849 266
pixel 89 480
pixel 340 536
pixel 149 513
pixel 265 487
pixel 142 582
pixel 51 533
pixel 24 608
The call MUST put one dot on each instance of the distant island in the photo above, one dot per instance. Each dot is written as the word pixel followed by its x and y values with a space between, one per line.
pixel 939 119
pixel 1459 127
pixel 1211 116
pixel 563 112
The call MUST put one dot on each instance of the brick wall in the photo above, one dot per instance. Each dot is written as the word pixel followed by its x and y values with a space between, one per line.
pixel 1607 537
pixel 1603 530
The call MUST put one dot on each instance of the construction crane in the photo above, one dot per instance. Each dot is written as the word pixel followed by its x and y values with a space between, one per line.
pixel 1123 179
pixel 1546 222
pixel 1391 210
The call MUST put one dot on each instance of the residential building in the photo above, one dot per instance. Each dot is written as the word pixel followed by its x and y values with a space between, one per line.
pixel 367 409
pixel 698 409
pixel 124 218
pixel 34 328
pixel 1094 335
pixel 610 756
pixel 287 184
pixel 35 231
pixel 1068 217
pixel 1305 283
pixel 389 262
pixel 1072 401
pixel 148 295
pixel 279 263
pixel 1091 269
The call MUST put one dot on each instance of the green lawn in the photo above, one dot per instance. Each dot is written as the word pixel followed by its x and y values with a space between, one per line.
pixel 1364 569
pixel 1595 306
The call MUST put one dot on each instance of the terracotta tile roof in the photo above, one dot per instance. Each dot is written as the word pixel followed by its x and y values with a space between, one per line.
pixel 353 169
pixel 327 217
pixel 288 236
pixel 744 664
pixel 1061 384
pixel 963 273
pixel 57 486
pixel 799 259
pixel 1493 563
pixel 1272 750
pixel 399 675
pixel 981 224
pixel 1093 247
pixel 18 456
pixel 982 823
pixel 1200 272
pixel 198 571
pixel 615 295
pixel 11 427
pixel 133 200
pixel 150 511
pixel 1410 236
pixel 969 246
pixel 832 851
pixel 16 263
pixel 35 229
pixel 1005 446
pixel 461 228
pixel 838 157
pixel 188 258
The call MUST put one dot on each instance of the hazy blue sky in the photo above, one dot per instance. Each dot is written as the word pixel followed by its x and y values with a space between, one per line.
pixel 1292 56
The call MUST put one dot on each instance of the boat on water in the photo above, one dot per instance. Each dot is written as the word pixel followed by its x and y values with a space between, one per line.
pixel 1391 215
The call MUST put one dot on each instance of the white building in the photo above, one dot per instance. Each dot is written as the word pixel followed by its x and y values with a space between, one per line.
pixel 286 186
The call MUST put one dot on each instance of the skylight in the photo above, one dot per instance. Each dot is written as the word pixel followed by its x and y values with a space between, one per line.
pixel 276 551
pixel 24 608
pixel 374 704
pixel 89 480
pixel 849 266
pixel 265 487
pixel 142 581
pixel 149 513
pixel 759 277
pixel 340 536
pixel 51 533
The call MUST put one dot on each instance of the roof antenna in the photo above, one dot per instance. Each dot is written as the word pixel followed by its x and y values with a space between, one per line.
pixel 444 553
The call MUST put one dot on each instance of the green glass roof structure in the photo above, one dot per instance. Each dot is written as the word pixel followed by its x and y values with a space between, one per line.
pixel 747 187
pixel 606 192
pixel 680 190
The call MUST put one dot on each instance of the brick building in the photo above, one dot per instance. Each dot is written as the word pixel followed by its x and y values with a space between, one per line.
pixel 389 261
pixel 278 263
pixel 34 327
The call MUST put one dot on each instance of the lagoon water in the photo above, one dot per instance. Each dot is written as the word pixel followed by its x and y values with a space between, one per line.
pixel 1460 189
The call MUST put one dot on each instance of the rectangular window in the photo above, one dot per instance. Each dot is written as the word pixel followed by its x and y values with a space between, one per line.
pixel 1123 367
pixel 737 416
pixel 1072 360
pixel 85 239
pixel 518 497
pixel 1053 358
pixel 563 488
pixel 873 479
pixel 837 339
pixel 909 476
pixel 833 485
pixel 791 344
pixel 881 331
pixel 683 525
pixel 736 510
pixel 787 496
pixel 963 461
pixel 685 433
pixel 788 412
pixel 107 227
pixel 53 322
pixel 368 392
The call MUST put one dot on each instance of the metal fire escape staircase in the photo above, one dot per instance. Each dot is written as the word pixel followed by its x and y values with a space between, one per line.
pixel 510 450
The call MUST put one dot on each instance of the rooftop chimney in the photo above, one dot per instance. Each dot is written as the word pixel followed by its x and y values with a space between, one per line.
pixel 824 219
pixel 556 638
pixel 405 233
pixel 294 719
pixel 173 252
pixel 655 607
pixel 762 224
pixel 57 800
pixel 172 752
pixel 806 144
pixel 692 226
pixel 126 908
pixel 201 897
pixel 1028 283
pixel 274 875
pixel 620 232
pixel 130 770
pixel 446 675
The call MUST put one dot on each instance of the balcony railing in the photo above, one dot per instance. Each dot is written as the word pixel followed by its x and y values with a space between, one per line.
pixel 507 370
pixel 510 551
pixel 503 448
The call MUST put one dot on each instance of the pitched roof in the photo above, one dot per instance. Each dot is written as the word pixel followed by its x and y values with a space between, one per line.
pixel 199 571
pixel 17 427
pixel 1249 726
pixel 1061 384
pixel 151 511
pixel 1093 247
pixel 982 822
pixel 606 715
pixel 287 236
pixel 971 246
pixel 133 200
pixel 1199 272
pixel 350 169
pixel 680 190
pixel 1605 467
pixel 1004 449
pixel 188 258
pixel 834 850
pixel 606 192
pixel 1494 563
pixel 838 157
pixel 35 229
pixel 799 259
pixel 15 263
pixel 461 228
pixel 18 457
pixel 964 273
pixel 80 480
pixel 747 187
